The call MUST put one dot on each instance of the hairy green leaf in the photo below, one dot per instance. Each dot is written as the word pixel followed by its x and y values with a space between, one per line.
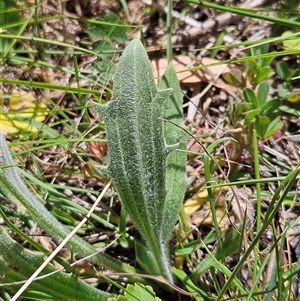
pixel 174 132
pixel 138 154
pixel 18 264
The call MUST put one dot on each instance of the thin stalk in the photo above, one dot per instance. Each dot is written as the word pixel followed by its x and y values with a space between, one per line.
pixel 50 86
pixel 169 31
pixel 246 12
pixel 258 199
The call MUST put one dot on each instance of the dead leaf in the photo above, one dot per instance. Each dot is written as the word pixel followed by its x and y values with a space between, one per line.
pixel 199 212
pixel 184 62
pixel 19 105
pixel 98 148
pixel 242 205
pixel 84 267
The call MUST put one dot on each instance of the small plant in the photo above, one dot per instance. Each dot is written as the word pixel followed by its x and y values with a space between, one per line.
pixel 288 76
pixel 239 221
pixel 148 174
pixel 138 156
pixel 261 112
pixel 255 111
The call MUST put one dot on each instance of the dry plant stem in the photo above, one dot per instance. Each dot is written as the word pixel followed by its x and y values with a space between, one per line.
pixel 202 28
pixel 58 249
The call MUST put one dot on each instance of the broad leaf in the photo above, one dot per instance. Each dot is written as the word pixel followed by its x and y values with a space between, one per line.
pixel 262 74
pixel 250 97
pixel 138 154
pixel 262 93
pixel 235 77
pixel 250 116
pixel 261 125
pixel 270 106
pixel 174 132
pixel 138 292
pixel 282 70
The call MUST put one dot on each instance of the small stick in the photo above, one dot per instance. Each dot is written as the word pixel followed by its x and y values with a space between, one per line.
pixel 57 250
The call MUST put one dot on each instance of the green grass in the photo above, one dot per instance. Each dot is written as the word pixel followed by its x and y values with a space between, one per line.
pixel 55 162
